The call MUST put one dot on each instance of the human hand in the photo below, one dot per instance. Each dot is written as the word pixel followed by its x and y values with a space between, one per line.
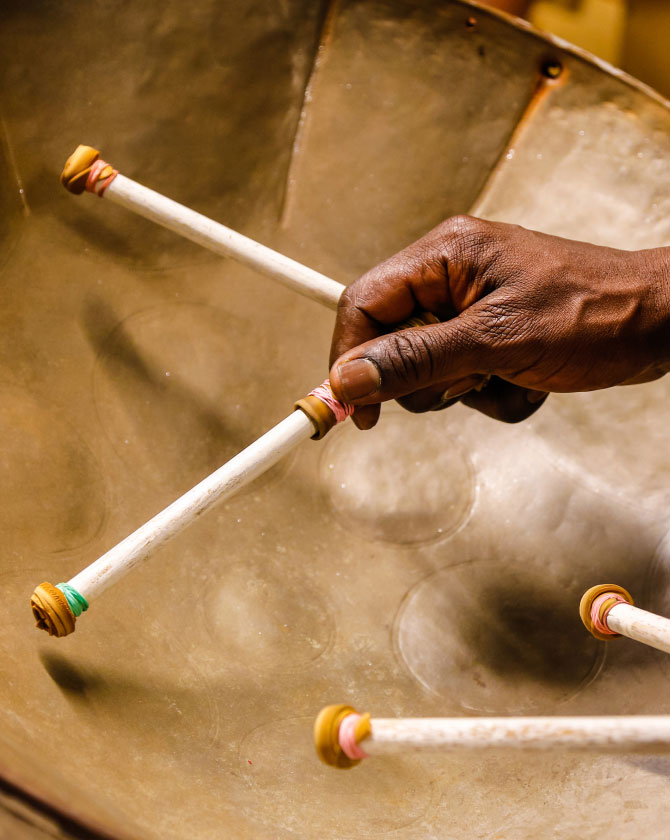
pixel 534 312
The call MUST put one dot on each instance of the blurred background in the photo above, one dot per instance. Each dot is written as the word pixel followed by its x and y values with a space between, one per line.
pixel 631 34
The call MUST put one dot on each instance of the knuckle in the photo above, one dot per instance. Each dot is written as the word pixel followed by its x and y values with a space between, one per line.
pixel 480 246
pixel 466 236
pixel 463 224
pixel 372 287
pixel 348 298
pixel 409 359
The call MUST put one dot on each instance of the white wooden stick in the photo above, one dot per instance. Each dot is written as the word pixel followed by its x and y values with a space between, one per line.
pixel 240 470
pixel 85 170
pixel 643 626
pixel 55 608
pixel 343 737
pixel 223 240
pixel 636 733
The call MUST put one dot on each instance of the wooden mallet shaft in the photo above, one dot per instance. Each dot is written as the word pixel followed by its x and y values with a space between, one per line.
pixel 51 607
pixel 391 736
pixel 77 177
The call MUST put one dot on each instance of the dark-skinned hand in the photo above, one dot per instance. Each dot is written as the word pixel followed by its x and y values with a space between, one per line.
pixel 533 312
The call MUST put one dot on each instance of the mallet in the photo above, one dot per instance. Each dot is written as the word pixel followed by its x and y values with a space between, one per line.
pixel 608 612
pixel 85 171
pixel 343 737
pixel 56 608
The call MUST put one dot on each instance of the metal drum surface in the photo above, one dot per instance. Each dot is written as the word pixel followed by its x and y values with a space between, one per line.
pixel 430 567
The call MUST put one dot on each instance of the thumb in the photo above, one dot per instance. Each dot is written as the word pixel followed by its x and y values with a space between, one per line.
pixel 400 363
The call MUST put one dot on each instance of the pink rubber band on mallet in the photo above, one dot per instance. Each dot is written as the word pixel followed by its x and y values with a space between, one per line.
pixel 92 183
pixel 347 738
pixel 340 410
pixel 601 624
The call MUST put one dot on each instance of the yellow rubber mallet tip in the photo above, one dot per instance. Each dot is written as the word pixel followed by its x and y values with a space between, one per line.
pixel 77 167
pixel 52 611
pixel 587 602
pixel 326 736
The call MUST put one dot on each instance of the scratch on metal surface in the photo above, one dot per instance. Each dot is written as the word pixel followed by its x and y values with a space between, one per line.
pixel 9 152
pixel 543 88
pixel 324 39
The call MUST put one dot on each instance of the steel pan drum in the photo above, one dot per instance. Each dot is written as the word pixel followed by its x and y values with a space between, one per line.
pixel 430 567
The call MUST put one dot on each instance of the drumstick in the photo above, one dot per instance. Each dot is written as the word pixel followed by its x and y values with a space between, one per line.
pixel 85 171
pixel 607 612
pixel 56 608
pixel 343 737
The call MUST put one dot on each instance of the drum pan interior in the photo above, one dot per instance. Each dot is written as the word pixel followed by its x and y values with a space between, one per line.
pixel 430 567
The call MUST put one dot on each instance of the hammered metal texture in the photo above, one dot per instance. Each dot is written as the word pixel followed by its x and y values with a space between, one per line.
pixel 430 567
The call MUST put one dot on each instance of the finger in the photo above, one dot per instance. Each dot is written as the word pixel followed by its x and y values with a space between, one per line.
pixel 505 401
pixel 439 396
pixel 400 363
pixel 434 398
pixel 353 326
pixel 649 375
pixel 443 273
pixel 366 416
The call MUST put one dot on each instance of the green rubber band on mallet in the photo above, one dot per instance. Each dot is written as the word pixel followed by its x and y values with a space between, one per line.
pixel 75 600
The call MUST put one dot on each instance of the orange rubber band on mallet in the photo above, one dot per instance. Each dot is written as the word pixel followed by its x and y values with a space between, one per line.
pixel 600 609
pixel 100 177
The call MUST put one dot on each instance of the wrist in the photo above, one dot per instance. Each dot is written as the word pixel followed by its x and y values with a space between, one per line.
pixel 657 268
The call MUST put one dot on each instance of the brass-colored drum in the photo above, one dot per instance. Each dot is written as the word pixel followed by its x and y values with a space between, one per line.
pixel 433 566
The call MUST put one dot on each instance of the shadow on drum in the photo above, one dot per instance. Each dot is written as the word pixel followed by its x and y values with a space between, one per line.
pixel 521 630
pixel 518 630
pixel 96 231
pixel 148 375
pixel 103 230
pixel 128 704
pixel 498 630
pixel 75 683
pixel 659 765
pixel 171 389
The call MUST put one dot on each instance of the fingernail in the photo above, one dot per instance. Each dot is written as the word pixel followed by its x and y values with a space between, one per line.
pixel 536 396
pixel 358 378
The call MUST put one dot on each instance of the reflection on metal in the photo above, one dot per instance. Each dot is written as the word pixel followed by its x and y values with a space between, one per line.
pixel 136 363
